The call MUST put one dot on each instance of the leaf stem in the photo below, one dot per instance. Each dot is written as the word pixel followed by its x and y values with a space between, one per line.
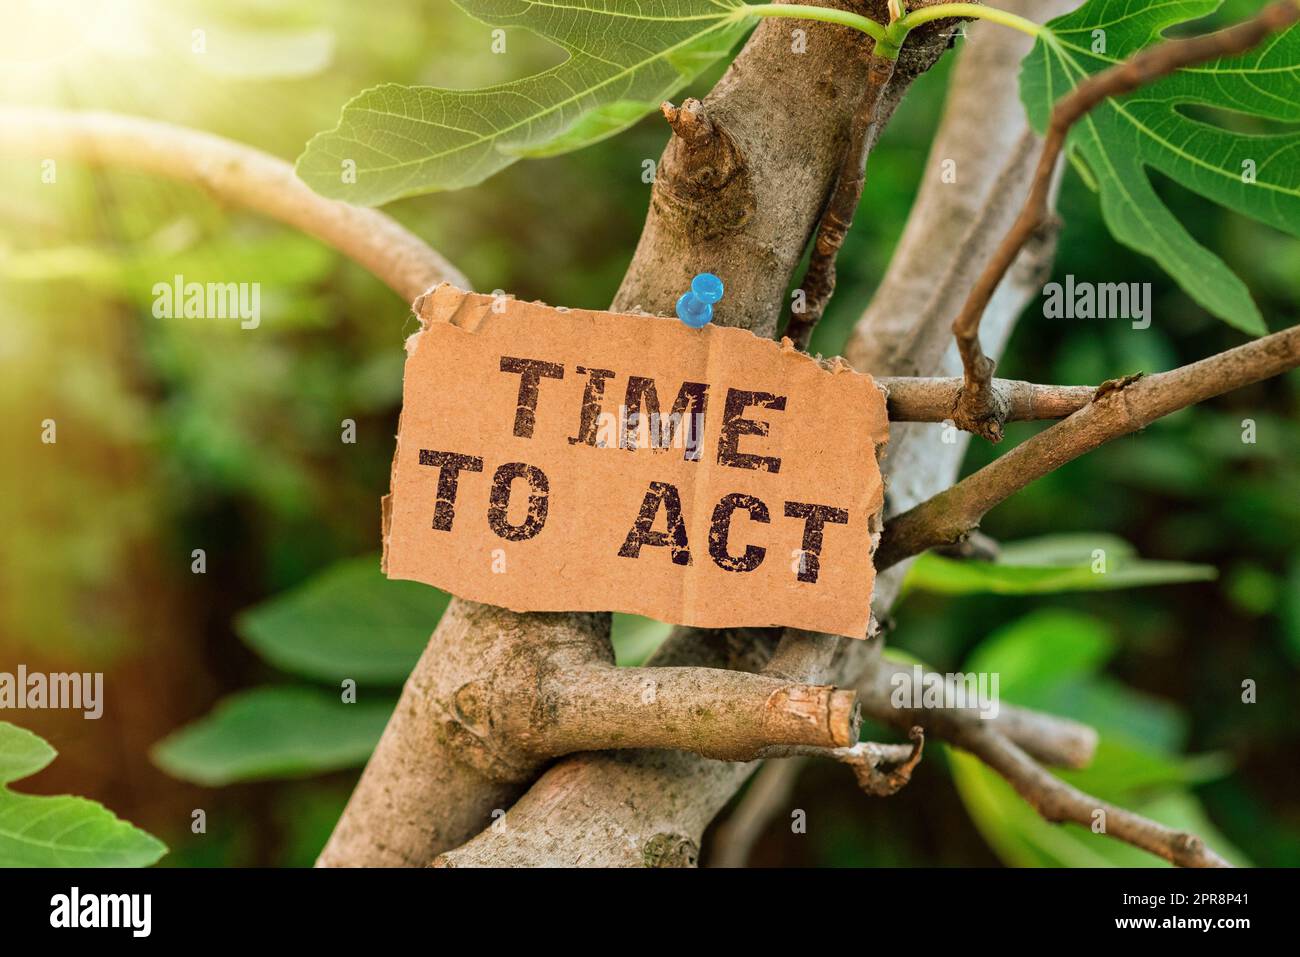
pixel 906 23
pixel 889 39
pixel 825 14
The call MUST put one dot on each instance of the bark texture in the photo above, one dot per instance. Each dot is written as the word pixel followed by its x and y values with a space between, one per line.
pixel 440 769
pixel 935 399
pixel 742 198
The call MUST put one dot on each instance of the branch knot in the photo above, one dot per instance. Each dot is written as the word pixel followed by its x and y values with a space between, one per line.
pixel 702 184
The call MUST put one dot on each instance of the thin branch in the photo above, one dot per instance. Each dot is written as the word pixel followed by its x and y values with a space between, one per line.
pixel 1119 408
pixel 881 770
pixel 978 409
pixel 819 281
pixel 1006 742
pixel 238 174
pixel 935 399
pixel 1057 802
pixel 1053 740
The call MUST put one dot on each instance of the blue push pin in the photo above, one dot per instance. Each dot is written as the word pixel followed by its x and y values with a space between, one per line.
pixel 695 308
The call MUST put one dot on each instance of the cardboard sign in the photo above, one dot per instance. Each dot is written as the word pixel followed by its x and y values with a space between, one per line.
pixel 572 460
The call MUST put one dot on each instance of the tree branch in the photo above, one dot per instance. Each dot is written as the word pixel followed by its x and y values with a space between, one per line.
pixel 1119 407
pixel 774 125
pixel 1005 743
pixel 728 715
pixel 977 547
pixel 1057 802
pixel 768 794
pixel 978 408
pixel 882 770
pixel 477 720
pixel 619 809
pixel 1050 739
pixel 819 281
pixel 440 769
pixel 235 173
pixel 917 399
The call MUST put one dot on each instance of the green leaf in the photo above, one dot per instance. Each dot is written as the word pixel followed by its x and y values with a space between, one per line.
pixel 1152 128
pixel 273 733
pixel 624 60
pixel 22 753
pixel 347 622
pixel 1052 660
pixel 1056 563
pixel 1041 649
pixel 63 831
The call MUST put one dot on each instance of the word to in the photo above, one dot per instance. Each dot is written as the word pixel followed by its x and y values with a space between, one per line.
pixel 739 485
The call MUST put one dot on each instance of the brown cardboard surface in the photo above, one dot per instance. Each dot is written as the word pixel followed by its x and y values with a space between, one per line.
pixel 523 479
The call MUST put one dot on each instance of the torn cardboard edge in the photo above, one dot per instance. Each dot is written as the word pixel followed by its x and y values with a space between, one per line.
pixel 447 306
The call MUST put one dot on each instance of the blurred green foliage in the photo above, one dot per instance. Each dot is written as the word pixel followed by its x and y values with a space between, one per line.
pixel 1053 563
pixel 275 732
pixel 1051 660
pixel 183 434
pixel 348 622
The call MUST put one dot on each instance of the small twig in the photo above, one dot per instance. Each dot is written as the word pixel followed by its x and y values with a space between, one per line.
pixel 977 547
pixel 882 770
pixel 1120 407
pixel 1057 802
pixel 900 761
pixel 819 281
pixel 979 409
pixel 235 173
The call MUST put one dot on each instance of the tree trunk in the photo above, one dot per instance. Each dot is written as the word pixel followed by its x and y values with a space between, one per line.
pixel 739 191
